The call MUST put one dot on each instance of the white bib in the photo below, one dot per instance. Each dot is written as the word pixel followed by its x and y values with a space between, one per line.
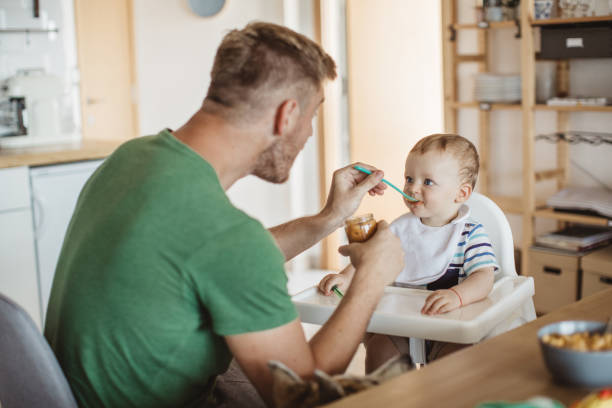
pixel 428 250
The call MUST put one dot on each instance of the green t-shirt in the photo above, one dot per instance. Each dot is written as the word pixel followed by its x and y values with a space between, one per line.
pixel 156 267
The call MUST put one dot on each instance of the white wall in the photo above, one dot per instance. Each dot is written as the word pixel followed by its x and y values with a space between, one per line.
pixel 174 55
pixel 590 77
pixel 54 52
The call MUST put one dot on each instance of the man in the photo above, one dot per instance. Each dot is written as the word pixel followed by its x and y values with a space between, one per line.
pixel 161 280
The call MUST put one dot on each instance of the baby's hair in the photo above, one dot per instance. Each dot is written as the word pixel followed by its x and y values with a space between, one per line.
pixel 459 147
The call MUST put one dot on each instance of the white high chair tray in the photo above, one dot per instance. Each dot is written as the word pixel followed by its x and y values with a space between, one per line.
pixel 399 311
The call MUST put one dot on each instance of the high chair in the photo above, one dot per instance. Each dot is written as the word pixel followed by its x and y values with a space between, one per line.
pixel 498 229
pixel 508 305
pixel 496 224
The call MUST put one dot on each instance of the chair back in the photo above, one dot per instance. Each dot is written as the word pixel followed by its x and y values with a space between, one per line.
pixel 496 224
pixel 30 375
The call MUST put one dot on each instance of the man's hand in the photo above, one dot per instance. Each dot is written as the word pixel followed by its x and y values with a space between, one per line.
pixel 382 256
pixel 348 188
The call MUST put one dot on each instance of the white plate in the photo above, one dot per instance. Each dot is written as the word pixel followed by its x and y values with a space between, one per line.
pixel 398 312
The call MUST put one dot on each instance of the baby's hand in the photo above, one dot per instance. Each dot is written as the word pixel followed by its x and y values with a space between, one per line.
pixel 331 280
pixel 441 301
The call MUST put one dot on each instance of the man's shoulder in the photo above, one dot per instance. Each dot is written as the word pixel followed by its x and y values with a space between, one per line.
pixel 239 235
pixel 242 223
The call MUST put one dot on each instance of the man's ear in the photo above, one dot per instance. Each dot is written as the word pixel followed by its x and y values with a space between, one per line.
pixel 287 114
pixel 465 191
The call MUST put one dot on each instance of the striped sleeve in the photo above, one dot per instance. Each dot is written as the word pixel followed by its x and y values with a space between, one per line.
pixel 478 252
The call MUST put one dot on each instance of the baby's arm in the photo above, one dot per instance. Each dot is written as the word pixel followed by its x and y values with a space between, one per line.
pixel 474 288
pixel 342 280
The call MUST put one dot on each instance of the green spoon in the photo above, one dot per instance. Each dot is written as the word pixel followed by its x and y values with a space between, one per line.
pixel 366 171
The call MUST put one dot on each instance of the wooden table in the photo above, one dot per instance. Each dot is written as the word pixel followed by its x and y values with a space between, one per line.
pixel 508 367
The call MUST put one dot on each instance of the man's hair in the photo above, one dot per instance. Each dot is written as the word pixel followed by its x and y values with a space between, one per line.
pixel 459 147
pixel 252 63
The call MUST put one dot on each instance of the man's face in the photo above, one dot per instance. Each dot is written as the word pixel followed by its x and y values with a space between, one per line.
pixel 274 164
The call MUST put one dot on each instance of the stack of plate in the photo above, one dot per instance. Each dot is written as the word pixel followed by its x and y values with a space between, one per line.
pixel 498 88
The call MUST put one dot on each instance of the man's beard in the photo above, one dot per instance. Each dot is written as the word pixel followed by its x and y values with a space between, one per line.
pixel 274 163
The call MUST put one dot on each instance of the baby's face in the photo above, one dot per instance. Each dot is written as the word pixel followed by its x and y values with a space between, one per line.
pixel 432 178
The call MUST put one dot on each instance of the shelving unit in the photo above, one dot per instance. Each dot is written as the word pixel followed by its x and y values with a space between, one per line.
pixel 525 205
pixel 578 108
pixel 569 217
pixel 562 21
pixel 492 24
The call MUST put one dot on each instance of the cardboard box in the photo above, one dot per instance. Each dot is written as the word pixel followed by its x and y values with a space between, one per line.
pixel 597 271
pixel 557 279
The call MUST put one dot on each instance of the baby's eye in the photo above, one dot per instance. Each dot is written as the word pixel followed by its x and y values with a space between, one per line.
pixel 408 179
pixel 428 182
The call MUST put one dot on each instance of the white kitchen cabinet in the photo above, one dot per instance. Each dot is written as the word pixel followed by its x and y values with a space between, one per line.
pixel 55 190
pixel 36 205
pixel 18 275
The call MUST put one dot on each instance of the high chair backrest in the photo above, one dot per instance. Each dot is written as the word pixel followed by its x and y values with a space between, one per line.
pixel 496 224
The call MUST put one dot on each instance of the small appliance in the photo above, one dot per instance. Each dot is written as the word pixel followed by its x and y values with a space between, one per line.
pixel 30 109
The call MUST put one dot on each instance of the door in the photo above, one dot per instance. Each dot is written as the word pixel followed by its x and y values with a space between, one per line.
pixel 106 64
pixel 55 190
pixel 394 52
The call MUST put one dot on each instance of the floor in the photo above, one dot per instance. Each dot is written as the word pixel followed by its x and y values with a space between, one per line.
pixel 299 281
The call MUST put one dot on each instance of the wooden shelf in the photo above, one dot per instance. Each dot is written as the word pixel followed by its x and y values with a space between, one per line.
pixel 549 174
pixel 539 107
pixel 494 106
pixel 491 24
pixel 470 58
pixel 563 216
pixel 512 205
pixel 579 108
pixel 577 20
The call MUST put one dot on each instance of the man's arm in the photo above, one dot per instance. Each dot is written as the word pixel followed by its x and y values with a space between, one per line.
pixel 330 350
pixel 298 235
pixel 347 190
pixel 377 263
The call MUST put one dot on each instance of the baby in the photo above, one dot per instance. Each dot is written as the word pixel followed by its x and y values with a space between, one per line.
pixel 446 250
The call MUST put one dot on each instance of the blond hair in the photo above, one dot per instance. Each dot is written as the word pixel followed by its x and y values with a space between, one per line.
pixel 252 63
pixel 459 147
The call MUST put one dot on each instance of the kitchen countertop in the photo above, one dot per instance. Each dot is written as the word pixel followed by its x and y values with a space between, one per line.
pixel 55 154
pixel 507 367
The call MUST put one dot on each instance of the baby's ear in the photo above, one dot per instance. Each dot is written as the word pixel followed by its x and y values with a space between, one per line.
pixel 464 192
